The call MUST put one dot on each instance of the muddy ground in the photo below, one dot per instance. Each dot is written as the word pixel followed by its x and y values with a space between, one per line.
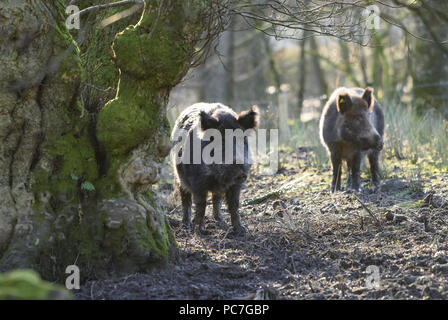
pixel 303 243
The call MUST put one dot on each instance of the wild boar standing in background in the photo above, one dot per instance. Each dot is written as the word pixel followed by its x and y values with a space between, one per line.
pixel 351 127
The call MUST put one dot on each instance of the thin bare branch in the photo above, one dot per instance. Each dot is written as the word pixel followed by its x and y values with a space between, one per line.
pixel 107 5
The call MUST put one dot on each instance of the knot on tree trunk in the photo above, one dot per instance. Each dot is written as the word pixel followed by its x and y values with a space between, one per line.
pixel 138 174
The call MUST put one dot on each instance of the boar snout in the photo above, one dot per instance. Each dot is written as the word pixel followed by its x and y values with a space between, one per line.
pixel 377 143
pixel 380 143
pixel 373 142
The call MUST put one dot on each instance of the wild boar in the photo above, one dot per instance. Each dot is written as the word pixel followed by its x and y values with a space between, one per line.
pixel 224 177
pixel 351 127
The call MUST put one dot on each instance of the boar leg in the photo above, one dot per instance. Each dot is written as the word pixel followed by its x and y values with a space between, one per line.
pixel 186 207
pixel 233 203
pixel 200 203
pixel 356 171
pixel 217 200
pixel 349 175
pixel 374 168
pixel 336 163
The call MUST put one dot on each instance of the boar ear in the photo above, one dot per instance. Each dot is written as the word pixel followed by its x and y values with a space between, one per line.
pixel 208 121
pixel 368 97
pixel 343 102
pixel 249 119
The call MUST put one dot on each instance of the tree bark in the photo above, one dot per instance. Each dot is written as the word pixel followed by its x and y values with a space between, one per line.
pixel 76 191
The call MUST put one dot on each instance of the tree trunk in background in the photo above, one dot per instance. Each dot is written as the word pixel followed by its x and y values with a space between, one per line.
pixel 272 64
pixel 348 70
pixel 363 67
pixel 380 70
pixel 73 192
pixel 318 68
pixel 230 66
pixel 302 74
pixel 215 75
pixel 430 70
pixel 258 81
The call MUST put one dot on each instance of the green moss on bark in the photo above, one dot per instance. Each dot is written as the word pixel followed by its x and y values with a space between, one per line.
pixel 71 147
pixel 109 229
pixel 152 56
pixel 128 120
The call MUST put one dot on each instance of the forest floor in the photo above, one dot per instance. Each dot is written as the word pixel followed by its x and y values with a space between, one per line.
pixel 304 243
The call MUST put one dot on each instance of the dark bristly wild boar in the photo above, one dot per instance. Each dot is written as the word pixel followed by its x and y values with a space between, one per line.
pixel 351 127
pixel 202 125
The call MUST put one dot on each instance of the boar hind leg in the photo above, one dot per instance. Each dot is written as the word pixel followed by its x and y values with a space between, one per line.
pixel 336 163
pixel 200 203
pixel 186 207
pixel 356 171
pixel 233 203
pixel 217 200
pixel 374 168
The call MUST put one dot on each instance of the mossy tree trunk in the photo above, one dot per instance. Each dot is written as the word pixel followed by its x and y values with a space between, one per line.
pixel 76 182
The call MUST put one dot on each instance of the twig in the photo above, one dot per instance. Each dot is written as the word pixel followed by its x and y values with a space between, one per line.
pixel 368 210
pixel 126 278
pixel 177 207
pixel 121 15
pixel 91 290
pixel 293 264
pixel 274 193
pixel 223 238
pixel 107 5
